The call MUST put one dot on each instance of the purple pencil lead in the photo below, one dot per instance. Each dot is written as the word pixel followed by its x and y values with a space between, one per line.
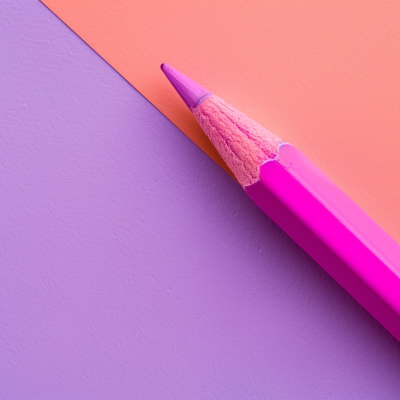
pixel 191 92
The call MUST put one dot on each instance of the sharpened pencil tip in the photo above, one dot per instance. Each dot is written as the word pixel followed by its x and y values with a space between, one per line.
pixel 191 92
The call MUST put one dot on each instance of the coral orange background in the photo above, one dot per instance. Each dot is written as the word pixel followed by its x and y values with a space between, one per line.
pixel 323 75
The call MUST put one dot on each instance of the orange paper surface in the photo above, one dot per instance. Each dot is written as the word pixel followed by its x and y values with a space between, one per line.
pixel 323 75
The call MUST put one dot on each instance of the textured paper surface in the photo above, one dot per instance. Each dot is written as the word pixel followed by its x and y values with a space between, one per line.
pixel 323 75
pixel 113 280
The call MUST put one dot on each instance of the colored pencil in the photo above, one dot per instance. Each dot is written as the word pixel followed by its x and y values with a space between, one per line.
pixel 304 202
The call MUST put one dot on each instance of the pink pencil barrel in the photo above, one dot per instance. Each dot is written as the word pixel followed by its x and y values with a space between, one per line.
pixel 334 231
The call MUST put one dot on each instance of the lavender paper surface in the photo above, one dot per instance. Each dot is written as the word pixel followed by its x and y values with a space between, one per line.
pixel 132 266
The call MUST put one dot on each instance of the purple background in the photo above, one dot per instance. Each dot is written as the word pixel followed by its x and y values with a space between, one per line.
pixel 133 267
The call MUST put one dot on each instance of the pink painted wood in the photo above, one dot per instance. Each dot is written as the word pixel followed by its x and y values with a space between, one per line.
pixel 334 231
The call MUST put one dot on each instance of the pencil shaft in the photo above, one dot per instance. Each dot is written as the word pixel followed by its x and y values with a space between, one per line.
pixel 334 231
